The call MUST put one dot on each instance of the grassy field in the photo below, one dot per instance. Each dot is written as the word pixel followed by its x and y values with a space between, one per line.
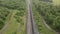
pixel 17 19
pixel 46 9
pixel 12 27
pixel 22 29
pixel 16 27
pixel 39 22
pixel 56 2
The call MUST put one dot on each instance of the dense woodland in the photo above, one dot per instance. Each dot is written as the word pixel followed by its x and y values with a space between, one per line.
pixel 50 13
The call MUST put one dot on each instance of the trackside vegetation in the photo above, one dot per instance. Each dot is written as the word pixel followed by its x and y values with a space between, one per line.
pixel 51 15
pixel 13 14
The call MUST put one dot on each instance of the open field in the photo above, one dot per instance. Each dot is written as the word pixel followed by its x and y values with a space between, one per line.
pixel 56 2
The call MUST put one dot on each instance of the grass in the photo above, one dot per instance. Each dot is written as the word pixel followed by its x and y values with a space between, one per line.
pixel 21 21
pixel 56 2
pixel 39 22
pixel 19 7
pixel 4 12
pixel 22 30
pixel 14 26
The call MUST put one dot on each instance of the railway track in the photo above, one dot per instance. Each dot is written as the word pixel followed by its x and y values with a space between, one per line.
pixel 30 27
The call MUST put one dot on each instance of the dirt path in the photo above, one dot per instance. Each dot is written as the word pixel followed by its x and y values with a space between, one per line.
pixel 7 22
pixel 48 25
pixel 31 27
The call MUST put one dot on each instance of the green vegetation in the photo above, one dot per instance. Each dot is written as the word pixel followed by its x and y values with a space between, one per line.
pixel 4 12
pixel 46 0
pixel 16 27
pixel 50 13
pixel 39 22
pixel 13 12
pixel 20 17
pixel 56 2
